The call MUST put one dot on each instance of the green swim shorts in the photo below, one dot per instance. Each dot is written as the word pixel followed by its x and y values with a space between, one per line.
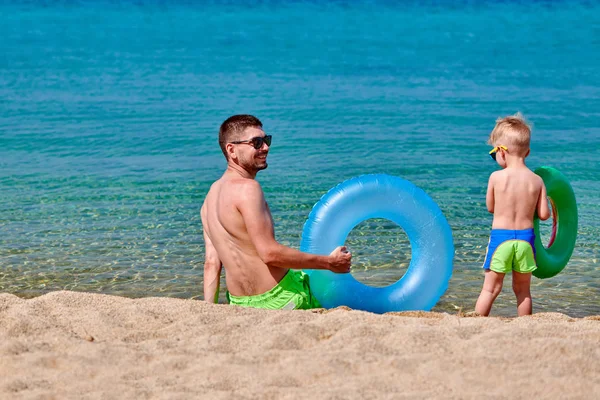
pixel 291 293
pixel 511 250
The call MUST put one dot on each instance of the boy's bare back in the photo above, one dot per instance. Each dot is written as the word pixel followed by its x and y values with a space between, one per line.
pixel 517 193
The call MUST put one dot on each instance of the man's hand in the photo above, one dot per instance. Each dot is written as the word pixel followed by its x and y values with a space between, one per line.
pixel 339 260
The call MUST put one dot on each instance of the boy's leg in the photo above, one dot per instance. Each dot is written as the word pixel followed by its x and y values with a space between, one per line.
pixel 492 286
pixel 521 287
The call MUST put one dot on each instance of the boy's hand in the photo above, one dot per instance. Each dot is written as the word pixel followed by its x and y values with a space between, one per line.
pixel 340 260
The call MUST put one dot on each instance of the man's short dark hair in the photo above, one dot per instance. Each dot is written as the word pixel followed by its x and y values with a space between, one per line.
pixel 233 127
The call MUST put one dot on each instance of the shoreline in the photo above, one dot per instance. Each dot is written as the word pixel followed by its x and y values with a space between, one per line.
pixel 84 345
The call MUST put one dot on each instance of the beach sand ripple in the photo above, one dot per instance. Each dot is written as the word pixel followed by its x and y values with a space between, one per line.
pixel 69 345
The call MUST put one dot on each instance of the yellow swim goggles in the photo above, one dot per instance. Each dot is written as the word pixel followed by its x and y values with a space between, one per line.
pixel 495 150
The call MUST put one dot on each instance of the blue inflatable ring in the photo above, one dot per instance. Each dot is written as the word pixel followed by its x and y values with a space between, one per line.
pixel 381 196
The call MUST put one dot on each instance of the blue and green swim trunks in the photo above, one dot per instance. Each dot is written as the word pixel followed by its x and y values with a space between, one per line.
pixel 291 293
pixel 511 250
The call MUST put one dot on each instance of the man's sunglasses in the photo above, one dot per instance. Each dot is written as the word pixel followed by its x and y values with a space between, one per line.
pixel 256 142
pixel 495 150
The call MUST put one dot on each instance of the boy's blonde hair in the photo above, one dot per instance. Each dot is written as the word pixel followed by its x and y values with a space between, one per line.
pixel 512 131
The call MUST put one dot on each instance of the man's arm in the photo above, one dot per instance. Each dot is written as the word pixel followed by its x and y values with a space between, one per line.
pixel 212 264
pixel 212 271
pixel 257 217
pixel 489 197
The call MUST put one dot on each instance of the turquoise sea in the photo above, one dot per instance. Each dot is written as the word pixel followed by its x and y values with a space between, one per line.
pixel 109 116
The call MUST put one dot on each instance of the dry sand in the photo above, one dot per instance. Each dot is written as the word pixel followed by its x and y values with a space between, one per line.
pixel 67 345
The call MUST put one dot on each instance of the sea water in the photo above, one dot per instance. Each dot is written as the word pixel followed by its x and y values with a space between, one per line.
pixel 109 117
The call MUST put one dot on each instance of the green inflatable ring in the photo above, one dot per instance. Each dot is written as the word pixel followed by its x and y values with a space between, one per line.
pixel 552 259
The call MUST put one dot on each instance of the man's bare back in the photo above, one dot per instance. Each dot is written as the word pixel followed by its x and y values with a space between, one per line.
pixel 246 273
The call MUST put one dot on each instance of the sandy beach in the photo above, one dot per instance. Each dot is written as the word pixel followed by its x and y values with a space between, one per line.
pixel 80 345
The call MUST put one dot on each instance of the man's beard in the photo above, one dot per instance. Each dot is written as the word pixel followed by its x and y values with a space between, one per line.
pixel 256 165
pixel 262 166
pixel 260 163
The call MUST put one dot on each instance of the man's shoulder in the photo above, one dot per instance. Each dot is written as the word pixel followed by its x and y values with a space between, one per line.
pixel 243 183
pixel 211 190
pixel 241 188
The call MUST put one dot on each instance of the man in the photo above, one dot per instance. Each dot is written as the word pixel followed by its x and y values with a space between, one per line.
pixel 239 234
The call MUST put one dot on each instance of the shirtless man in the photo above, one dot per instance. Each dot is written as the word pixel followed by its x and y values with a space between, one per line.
pixel 239 234
pixel 514 195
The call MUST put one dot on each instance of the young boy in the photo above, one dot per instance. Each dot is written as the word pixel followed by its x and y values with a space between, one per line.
pixel 514 194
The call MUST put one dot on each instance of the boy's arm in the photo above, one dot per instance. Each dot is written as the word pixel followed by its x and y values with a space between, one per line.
pixel 489 197
pixel 543 211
